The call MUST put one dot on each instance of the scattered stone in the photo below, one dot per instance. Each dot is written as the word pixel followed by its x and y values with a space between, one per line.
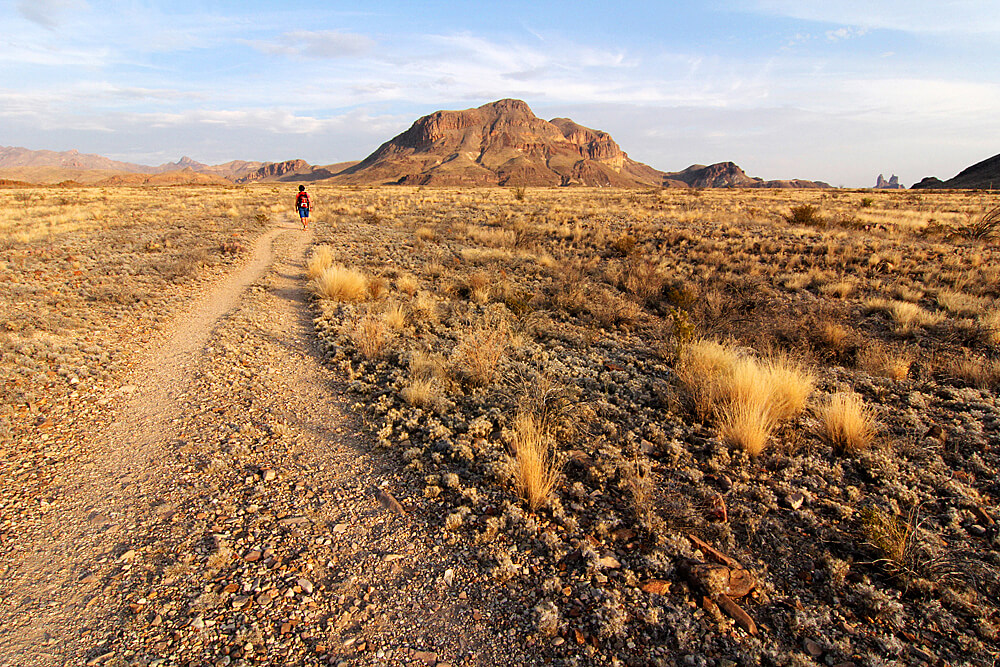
pixel 812 648
pixel 389 502
pixel 656 586
pixel 795 499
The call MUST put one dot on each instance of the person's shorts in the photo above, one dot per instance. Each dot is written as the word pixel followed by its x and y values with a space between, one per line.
pixel 303 212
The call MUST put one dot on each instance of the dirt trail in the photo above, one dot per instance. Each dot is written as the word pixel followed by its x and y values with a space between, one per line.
pixel 227 512
pixel 44 602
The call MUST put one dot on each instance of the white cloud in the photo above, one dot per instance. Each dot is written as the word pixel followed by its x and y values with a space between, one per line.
pixel 974 17
pixel 322 44
pixel 47 13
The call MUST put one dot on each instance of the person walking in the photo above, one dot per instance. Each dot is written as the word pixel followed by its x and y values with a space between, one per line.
pixel 302 203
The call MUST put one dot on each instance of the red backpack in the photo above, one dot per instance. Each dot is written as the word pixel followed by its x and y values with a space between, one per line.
pixel 302 200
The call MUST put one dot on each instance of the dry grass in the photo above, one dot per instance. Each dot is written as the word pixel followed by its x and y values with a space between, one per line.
pixel 370 336
pixel 747 397
pixel 908 317
pixel 320 259
pixel 847 423
pixel 483 347
pixel 394 316
pixel 533 467
pixel 890 534
pixel 880 360
pixel 340 283
pixel 423 393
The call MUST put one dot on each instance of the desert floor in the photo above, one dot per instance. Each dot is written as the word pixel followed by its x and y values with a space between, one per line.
pixel 498 426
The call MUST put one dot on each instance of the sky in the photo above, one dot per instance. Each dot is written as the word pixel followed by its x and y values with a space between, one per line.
pixel 837 91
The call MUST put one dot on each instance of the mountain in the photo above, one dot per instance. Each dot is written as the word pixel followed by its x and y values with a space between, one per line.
pixel 14 157
pixel 501 143
pixel 729 175
pixel 983 175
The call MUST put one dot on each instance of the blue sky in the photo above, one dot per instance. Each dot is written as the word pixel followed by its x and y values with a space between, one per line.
pixel 834 91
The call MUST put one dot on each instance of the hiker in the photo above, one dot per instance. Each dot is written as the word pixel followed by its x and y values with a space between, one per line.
pixel 302 203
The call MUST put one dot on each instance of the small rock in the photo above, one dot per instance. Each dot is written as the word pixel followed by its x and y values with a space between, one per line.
pixel 795 499
pixel 305 585
pixel 426 657
pixel 812 648
pixel 268 474
pixel 449 577
pixel 656 587
pixel 198 623
pixel 389 502
pixel 609 563
pixel 127 556
pixel 558 641
pixel 976 530
pixel 252 556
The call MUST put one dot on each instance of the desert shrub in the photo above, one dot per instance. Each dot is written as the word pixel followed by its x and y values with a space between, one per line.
pixel 534 466
pixel 424 392
pixel 425 233
pixel 846 422
pixel 983 226
pixel 519 193
pixel 370 336
pixel 889 534
pixel 790 384
pixel 340 283
pixel 394 316
pixel 806 215
pixel 407 284
pixel 319 261
pixel 482 348
pixel 866 202
pixel 879 360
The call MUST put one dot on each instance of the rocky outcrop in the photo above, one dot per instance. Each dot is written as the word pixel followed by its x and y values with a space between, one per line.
pixel 983 175
pixel 891 184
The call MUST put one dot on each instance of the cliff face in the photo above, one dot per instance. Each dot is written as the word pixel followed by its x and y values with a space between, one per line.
pixel 501 143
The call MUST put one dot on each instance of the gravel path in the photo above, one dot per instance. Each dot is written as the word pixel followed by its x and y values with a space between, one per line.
pixel 220 507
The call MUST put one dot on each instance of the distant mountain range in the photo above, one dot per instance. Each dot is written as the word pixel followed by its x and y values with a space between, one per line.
pixel 501 143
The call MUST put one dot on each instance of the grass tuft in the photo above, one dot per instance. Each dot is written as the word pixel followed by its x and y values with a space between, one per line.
pixel 339 283
pixel 847 423
pixel 534 467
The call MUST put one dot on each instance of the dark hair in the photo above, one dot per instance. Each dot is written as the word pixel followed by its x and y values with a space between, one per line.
pixel 302 188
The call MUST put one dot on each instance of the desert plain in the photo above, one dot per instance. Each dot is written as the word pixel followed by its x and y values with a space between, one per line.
pixel 488 426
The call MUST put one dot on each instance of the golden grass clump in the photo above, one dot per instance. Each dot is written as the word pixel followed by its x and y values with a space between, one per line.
pixel 879 360
pixel 847 423
pixel 407 284
pixel 340 283
pixel 908 316
pixel 990 321
pixel 424 392
pixel 483 347
pixel 319 261
pixel 534 467
pixel 747 397
pixel 370 336
pixel 888 533
pixel 394 316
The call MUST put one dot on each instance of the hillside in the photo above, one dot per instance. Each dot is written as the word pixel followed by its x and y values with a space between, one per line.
pixel 983 175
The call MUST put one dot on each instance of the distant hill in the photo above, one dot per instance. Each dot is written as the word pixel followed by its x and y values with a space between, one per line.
pixel 729 175
pixel 983 175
